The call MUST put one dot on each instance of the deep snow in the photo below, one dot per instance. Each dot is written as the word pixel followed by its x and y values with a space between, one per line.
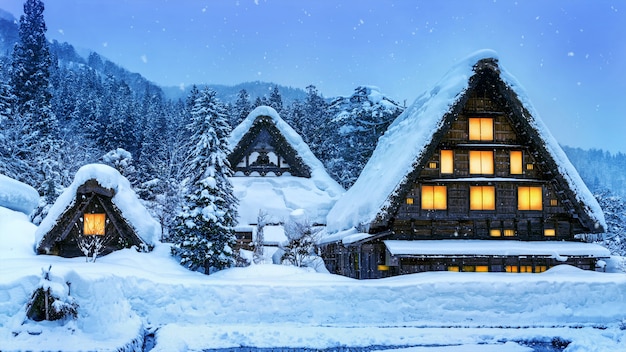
pixel 126 292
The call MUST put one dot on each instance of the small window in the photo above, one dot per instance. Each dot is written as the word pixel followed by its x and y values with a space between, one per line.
pixel 409 201
pixel 453 268
pixel 495 233
pixel 540 268
pixel 482 268
pixel 530 167
pixel 512 269
pixel 434 197
pixel 509 232
pixel 549 232
pixel 481 162
pixel 529 198
pixel 482 198
pixel 525 268
pixel 516 162
pixel 94 224
pixel 481 129
pixel 432 165
pixel 447 162
pixel 554 202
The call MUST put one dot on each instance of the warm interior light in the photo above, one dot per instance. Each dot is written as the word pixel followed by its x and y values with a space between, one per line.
pixel 94 224
pixel 512 269
pixel 509 232
pixel 447 162
pixel 495 233
pixel 516 162
pixel 482 268
pixel 432 165
pixel 434 198
pixel 549 232
pixel 481 129
pixel 453 268
pixel 482 198
pixel 481 162
pixel 529 198
pixel 409 201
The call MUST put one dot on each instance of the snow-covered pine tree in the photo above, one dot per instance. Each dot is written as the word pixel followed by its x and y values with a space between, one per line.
pixel 39 146
pixel 241 108
pixel 203 235
pixel 276 100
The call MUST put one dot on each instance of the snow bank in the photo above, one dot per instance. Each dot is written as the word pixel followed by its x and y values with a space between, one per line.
pixel 279 196
pixel 17 196
pixel 125 199
pixel 278 306
pixel 405 141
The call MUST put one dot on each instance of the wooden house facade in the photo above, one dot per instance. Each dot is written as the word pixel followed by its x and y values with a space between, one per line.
pixel 489 171
pixel 96 215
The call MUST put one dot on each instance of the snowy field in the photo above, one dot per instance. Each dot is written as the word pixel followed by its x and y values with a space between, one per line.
pixel 125 294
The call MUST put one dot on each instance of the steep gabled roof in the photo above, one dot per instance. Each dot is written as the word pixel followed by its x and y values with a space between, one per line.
pixel 315 191
pixel 410 139
pixel 109 182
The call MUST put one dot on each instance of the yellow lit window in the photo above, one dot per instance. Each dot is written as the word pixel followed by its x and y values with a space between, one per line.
pixel 453 268
pixel 530 167
pixel 554 202
pixel 432 165
pixel 529 198
pixel 94 224
pixel 482 198
pixel 481 162
pixel 434 198
pixel 509 233
pixel 549 232
pixel 481 129
pixel 482 268
pixel 447 162
pixel 512 269
pixel 495 233
pixel 525 268
pixel 382 267
pixel 409 201
pixel 540 268
pixel 516 162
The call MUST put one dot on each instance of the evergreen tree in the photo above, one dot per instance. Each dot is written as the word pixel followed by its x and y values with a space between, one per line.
pixel 241 108
pixel 204 236
pixel 40 146
pixel 276 100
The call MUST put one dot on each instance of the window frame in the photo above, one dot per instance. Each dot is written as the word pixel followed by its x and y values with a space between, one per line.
pixel 481 162
pixel 481 190
pixel 94 219
pixel 530 192
pixel 428 197
pixel 483 126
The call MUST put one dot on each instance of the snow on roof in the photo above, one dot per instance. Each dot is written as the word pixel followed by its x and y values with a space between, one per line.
pixel 125 199
pixel 496 248
pixel 280 195
pixel 17 196
pixel 409 135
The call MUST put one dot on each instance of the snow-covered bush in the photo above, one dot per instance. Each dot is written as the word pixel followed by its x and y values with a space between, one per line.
pixel 299 250
pixel 51 300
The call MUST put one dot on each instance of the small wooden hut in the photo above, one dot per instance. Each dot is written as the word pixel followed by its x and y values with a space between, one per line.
pixel 469 161
pixel 98 214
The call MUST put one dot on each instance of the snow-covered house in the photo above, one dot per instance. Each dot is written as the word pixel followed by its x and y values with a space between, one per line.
pixel 276 172
pixel 97 214
pixel 458 181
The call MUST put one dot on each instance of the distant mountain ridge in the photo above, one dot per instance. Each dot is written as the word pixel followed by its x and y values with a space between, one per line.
pixel 228 94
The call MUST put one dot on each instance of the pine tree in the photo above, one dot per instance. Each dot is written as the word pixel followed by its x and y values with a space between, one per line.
pixel 276 100
pixel 241 108
pixel 204 236
pixel 40 146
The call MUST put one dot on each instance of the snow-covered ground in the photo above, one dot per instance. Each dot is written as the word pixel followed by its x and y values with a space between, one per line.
pixel 125 293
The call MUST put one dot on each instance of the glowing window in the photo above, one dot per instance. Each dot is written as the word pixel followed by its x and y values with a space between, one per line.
pixel 525 268
pixel 549 232
pixel 509 233
pixel 382 267
pixel 495 233
pixel 481 162
pixel 447 162
pixel 434 198
pixel 530 167
pixel 432 165
pixel 453 268
pixel 409 201
pixel 482 198
pixel 540 268
pixel 554 202
pixel 516 162
pixel 481 129
pixel 94 224
pixel 512 269
pixel 529 198
pixel 482 268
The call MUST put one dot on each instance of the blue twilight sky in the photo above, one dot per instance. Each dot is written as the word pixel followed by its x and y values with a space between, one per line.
pixel 570 55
